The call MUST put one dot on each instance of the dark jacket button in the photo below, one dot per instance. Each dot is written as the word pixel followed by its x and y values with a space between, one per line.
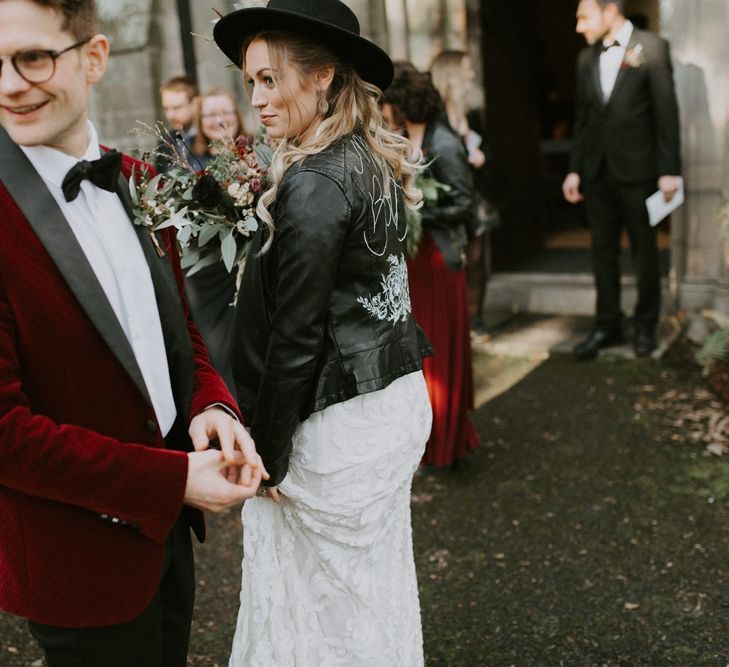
pixel 150 426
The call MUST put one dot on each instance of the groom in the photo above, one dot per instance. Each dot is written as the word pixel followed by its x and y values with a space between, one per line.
pixel 105 384
pixel 625 146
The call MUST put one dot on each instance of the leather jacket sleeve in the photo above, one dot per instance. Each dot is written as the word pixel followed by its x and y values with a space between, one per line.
pixel 312 217
pixel 450 166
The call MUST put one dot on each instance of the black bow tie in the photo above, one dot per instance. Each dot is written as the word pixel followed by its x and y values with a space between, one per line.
pixel 606 47
pixel 103 173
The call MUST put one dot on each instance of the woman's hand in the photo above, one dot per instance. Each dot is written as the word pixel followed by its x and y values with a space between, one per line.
pixel 271 492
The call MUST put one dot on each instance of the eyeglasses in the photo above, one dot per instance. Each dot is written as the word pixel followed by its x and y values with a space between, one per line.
pixel 38 65
pixel 218 114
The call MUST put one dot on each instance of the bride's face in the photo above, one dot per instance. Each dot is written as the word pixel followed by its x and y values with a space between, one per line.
pixel 286 103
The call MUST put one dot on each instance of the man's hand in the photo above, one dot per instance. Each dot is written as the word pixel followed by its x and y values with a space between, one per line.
pixel 208 485
pixel 669 186
pixel 476 158
pixel 217 423
pixel 232 435
pixel 571 188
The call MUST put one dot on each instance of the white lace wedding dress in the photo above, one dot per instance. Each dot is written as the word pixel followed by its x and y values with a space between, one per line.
pixel 329 575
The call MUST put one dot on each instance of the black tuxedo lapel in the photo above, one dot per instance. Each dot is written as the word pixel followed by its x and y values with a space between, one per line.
pixel 595 81
pixel 43 214
pixel 174 326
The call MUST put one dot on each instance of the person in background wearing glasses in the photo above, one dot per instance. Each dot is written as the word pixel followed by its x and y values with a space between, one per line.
pixel 178 103
pixel 217 118
pixel 211 290
pixel 107 399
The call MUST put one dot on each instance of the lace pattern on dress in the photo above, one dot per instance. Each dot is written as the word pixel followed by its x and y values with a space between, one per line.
pixel 329 576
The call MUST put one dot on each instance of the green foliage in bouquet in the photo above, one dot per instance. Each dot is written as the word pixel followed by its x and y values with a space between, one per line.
pixel 213 210
pixel 432 191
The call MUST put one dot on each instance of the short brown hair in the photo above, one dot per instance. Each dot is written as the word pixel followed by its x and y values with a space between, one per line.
pixel 620 3
pixel 412 95
pixel 180 84
pixel 79 16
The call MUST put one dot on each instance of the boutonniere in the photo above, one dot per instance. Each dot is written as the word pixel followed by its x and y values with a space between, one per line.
pixel 135 179
pixel 634 57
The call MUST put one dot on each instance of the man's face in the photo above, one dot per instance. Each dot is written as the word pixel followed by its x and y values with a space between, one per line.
pixel 53 113
pixel 179 109
pixel 592 21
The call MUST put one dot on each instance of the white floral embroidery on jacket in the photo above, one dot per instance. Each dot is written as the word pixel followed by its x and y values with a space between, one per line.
pixel 393 302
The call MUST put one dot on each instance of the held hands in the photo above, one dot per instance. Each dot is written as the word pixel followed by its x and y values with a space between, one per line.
pixel 669 186
pixel 271 492
pixel 571 188
pixel 217 479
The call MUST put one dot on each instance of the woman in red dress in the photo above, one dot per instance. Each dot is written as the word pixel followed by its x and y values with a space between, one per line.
pixel 438 289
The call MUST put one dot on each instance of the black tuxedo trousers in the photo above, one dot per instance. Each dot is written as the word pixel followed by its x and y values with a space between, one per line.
pixel 612 206
pixel 159 637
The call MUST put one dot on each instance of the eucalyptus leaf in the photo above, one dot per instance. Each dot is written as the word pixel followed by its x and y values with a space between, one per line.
pixel 228 249
pixel 189 258
pixel 151 190
pixel 177 220
pixel 133 187
pixel 207 233
pixel 207 260
pixel 184 234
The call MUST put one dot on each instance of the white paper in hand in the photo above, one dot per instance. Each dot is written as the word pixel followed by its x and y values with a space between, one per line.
pixel 659 208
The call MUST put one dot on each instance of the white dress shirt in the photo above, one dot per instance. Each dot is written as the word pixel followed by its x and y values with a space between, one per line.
pixel 110 243
pixel 612 59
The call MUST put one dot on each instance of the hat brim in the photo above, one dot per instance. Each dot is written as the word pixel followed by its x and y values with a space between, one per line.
pixel 371 62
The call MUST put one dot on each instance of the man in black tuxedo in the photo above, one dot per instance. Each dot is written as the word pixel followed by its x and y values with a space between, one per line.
pixel 625 145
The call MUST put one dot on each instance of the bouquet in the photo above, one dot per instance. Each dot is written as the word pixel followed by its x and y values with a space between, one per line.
pixel 431 190
pixel 213 209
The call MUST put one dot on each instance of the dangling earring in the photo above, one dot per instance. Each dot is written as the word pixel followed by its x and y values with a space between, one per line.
pixel 323 106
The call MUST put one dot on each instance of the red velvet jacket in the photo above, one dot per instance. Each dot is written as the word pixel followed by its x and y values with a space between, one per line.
pixel 79 441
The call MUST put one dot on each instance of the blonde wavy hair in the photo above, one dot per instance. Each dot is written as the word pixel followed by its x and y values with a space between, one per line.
pixel 353 105
pixel 446 71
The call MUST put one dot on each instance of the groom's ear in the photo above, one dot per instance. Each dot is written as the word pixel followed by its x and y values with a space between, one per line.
pixel 97 58
pixel 612 13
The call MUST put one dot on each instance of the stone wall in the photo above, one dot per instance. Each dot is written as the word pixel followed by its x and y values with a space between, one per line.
pixel 698 35
pixel 146 50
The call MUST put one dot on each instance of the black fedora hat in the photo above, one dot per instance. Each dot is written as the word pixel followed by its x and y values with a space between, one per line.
pixel 330 21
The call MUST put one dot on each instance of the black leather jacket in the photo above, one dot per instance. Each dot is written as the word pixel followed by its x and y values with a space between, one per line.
pixel 324 315
pixel 448 220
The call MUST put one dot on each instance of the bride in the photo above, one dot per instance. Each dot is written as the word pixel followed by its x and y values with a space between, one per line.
pixel 326 355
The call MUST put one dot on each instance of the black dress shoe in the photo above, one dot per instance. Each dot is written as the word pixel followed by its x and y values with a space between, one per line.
pixel 644 343
pixel 599 338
